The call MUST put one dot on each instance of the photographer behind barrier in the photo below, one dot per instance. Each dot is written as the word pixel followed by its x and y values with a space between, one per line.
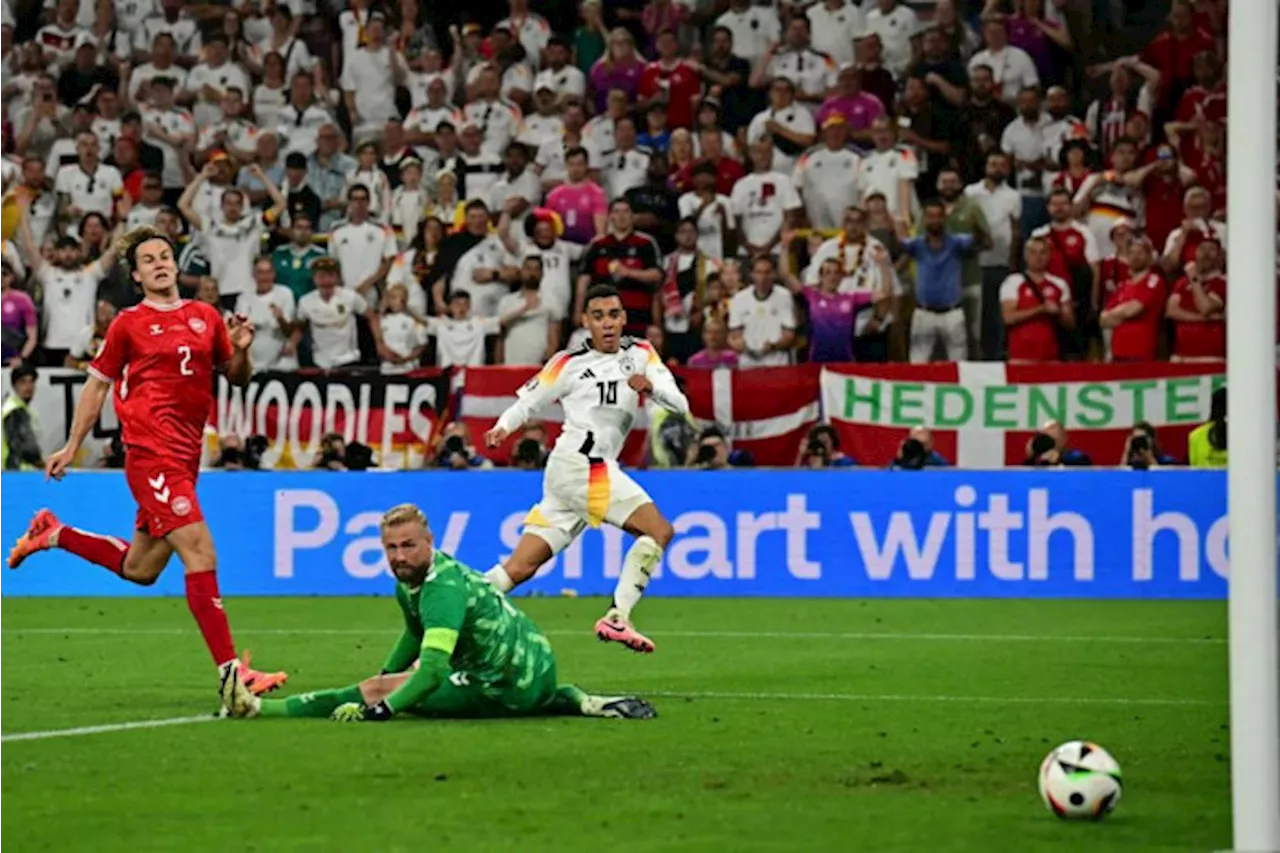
pixel 1142 450
pixel 236 454
pixel 457 452
pixel 530 452
pixel 336 455
pixel 712 452
pixel 916 452
pixel 821 449
pixel 1049 447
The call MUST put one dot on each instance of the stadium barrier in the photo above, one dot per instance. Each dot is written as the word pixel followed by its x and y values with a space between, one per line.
pixel 982 413
pixel 939 533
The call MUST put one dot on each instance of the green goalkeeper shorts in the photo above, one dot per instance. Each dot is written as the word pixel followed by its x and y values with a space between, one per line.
pixel 463 695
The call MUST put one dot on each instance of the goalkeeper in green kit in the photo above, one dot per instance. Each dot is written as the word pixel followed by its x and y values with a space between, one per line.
pixel 465 651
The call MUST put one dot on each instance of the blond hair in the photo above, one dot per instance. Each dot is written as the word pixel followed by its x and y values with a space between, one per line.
pixel 403 514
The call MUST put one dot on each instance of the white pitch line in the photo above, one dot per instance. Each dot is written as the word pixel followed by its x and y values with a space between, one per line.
pixel 726 635
pixel 105 729
pixel 892 697
pixel 683 694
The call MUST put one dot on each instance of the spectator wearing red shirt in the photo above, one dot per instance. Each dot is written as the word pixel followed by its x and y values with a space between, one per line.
pixel 728 170
pixel 672 80
pixel 1197 227
pixel 1114 269
pixel 1173 52
pixel 1073 256
pixel 1198 308
pixel 1163 182
pixel 1135 318
pixel 1207 98
pixel 1036 306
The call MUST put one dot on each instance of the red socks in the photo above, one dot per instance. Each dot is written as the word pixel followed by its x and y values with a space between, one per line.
pixel 106 551
pixel 206 607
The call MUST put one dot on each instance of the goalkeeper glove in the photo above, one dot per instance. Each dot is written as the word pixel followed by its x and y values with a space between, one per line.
pixel 351 712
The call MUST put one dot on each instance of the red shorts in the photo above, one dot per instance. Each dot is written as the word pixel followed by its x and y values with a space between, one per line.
pixel 165 491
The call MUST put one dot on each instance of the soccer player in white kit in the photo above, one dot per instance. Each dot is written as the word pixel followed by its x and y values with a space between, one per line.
pixel 600 385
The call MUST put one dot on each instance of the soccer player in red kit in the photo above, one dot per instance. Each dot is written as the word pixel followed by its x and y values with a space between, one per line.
pixel 161 355
pixel 1138 308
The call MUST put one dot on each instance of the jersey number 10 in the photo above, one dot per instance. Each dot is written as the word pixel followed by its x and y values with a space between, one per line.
pixel 608 392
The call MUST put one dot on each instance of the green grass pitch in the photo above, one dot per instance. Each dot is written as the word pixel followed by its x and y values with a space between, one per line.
pixel 791 725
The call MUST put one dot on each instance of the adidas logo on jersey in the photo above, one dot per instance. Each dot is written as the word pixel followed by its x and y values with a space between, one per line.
pixel 588 374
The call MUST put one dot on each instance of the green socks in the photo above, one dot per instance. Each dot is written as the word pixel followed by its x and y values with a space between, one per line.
pixel 567 701
pixel 320 703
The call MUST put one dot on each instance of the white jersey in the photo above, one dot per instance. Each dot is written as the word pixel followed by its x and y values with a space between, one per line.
pixel 761 202
pixel 599 406
pixel 828 182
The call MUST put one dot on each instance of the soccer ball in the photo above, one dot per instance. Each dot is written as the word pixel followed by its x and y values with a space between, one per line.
pixel 1080 781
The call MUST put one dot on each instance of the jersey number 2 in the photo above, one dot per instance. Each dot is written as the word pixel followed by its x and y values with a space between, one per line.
pixel 184 366
pixel 608 392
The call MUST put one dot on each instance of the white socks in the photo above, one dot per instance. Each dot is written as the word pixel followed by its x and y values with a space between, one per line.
pixel 641 559
pixel 499 579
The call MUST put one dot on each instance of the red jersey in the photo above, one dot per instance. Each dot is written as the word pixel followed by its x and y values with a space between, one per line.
pixel 728 172
pixel 1035 339
pixel 1112 273
pixel 1164 206
pixel 1065 181
pixel 1136 339
pixel 1070 247
pixel 162 360
pixel 1206 339
pixel 681 83
pixel 637 251
pixel 1205 231
pixel 1172 56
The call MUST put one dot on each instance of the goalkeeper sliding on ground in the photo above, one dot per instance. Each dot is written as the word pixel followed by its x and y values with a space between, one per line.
pixel 465 651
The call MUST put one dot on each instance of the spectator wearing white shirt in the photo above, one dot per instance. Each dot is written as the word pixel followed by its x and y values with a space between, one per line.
pixel 471 260
pixel 172 20
pixel 557 257
pixel 711 212
pixel 1002 206
pixel 404 336
pixel 169 129
pixel 477 169
pixel 162 64
pixel 63 34
pixel 753 28
pixel 562 78
pixel 233 134
pixel 89 342
pixel 787 125
pixel 899 28
pixel 763 202
pixel 626 166
pixel 233 240
pixel 518 189
pixel 283 41
pixel 811 73
pixel 544 125
pixel 1011 67
pixel 421 123
pixel 762 319
pixel 363 246
pixel 424 70
pixel 890 169
pixel 836 25
pixel 408 201
pixel 1024 141
pixel 370 175
pixel 369 79
pixel 548 163
pixel 530 29
pixel 209 81
pixel 532 333
pixel 89 185
pixel 302 118
pixel 70 287
pixel 271 309
pixel 328 314
pixel 460 338
pixel 827 176
pixel 145 210
pixel 498 119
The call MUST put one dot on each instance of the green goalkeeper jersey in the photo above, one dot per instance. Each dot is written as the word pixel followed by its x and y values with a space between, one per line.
pixel 491 641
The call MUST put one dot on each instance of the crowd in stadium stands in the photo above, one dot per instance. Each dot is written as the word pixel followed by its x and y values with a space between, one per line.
pixel 394 185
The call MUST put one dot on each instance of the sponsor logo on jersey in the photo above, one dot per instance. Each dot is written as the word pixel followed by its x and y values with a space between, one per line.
pixel 156 329
pixel 197 325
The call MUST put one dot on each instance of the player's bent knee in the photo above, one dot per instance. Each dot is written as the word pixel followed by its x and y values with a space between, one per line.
pixel 194 545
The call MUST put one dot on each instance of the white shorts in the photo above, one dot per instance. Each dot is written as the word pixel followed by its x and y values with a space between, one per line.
pixel 577 492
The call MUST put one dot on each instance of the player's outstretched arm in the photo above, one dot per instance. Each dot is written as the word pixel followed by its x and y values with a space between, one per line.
pixel 665 392
pixel 541 390
pixel 88 408
pixel 405 651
